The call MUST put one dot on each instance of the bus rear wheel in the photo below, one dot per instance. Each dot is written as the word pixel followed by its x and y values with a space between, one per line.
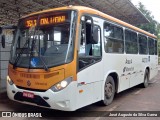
pixel 109 91
pixel 146 79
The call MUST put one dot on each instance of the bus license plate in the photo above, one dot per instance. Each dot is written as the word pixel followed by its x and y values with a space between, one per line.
pixel 28 95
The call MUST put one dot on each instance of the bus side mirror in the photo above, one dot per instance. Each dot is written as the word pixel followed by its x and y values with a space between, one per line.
pixel 3 41
pixel 91 30
pixel 91 33
pixel 95 34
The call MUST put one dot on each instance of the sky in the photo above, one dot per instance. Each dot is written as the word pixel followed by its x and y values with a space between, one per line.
pixel 151 5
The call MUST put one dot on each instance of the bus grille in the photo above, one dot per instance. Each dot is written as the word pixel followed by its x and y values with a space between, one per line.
pixel 30 89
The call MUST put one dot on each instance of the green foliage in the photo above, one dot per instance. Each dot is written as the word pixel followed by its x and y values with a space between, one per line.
pixel 159 47
pixel 153 26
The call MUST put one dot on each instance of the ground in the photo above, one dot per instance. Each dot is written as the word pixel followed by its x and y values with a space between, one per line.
pixel 134 99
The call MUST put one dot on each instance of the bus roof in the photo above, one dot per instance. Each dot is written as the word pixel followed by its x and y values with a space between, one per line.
pixel 96 12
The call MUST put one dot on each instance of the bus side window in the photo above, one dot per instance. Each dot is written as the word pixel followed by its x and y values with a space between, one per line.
pixel 113 35
pixel 150 46
pixel 131 45
pixel 155 47
pixel 142 44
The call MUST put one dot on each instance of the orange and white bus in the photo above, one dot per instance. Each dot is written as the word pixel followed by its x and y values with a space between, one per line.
pixel 69 57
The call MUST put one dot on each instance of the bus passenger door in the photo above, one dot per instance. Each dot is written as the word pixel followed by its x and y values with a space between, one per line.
pixel 90 67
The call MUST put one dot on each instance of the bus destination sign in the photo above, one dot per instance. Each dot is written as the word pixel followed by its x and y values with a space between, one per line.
pixel 46 20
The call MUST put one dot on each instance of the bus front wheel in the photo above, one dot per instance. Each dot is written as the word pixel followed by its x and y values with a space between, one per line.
pixel 109 91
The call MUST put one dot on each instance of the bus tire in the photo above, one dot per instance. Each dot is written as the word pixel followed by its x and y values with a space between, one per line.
pixel 109 91
pixel 146 79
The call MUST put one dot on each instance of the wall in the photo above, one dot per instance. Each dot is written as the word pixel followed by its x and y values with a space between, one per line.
pixel 4 57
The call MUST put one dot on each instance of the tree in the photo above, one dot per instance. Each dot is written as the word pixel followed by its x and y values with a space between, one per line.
pixel 153 26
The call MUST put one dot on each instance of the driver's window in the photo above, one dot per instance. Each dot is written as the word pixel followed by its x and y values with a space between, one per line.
pixel 89 52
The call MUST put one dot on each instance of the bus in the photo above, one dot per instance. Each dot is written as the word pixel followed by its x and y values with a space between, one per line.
pixel 70 57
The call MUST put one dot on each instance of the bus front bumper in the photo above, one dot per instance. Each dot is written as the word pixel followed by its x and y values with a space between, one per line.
pixel 63 100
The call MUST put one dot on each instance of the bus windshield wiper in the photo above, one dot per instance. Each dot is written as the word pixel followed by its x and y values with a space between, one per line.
pixel 44 64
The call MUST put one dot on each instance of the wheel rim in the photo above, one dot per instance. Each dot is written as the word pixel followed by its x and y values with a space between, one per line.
pixel 108 90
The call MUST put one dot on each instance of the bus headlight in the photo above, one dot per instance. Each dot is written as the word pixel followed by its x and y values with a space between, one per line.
pixel 9 80
pixel 61 85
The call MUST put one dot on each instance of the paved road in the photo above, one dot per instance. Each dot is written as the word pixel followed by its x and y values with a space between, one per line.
pixel 134 99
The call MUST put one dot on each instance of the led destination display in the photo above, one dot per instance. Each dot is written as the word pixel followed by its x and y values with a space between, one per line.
pixel 48 20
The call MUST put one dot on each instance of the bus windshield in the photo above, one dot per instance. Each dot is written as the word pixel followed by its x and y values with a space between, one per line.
pixel 44 40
